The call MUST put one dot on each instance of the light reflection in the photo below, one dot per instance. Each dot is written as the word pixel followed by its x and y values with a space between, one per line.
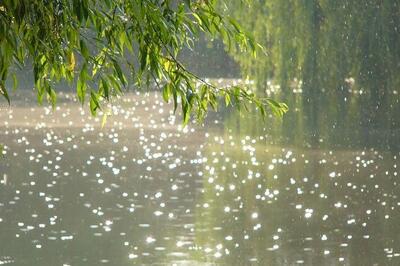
pixel 199 199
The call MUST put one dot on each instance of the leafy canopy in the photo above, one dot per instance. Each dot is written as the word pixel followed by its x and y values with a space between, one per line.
pixel 101 46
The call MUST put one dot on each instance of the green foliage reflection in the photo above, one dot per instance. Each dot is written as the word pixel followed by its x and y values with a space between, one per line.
pixel 337 61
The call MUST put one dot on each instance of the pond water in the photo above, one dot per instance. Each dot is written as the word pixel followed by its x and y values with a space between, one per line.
pixel 236 191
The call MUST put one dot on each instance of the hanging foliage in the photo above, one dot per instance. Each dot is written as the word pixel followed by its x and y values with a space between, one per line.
pixel 101 47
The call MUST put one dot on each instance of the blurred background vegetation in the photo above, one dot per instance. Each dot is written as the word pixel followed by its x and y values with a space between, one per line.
pixel 335 63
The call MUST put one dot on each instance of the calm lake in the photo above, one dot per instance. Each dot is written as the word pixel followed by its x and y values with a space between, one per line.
pixel 235 191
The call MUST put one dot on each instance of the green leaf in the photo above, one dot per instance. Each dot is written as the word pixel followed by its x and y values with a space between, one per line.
pixel 71 61
pixel 167 91
pixel 53 97
pixel 84 50
pixel 85 9
pixel 94 103
pixel 106 89
pixel 279 109
pixel 213 102
pixel 81 90
pixel 175 100
pixel 120 75
pixel 81 86
pixel 15 81
pixel 3 91
pixel 116 85
pixel 40 91
pixel 78 10
pixel 227 99
pixel 186 112
pixel 235 24
pixel 143 60
pixel 104 119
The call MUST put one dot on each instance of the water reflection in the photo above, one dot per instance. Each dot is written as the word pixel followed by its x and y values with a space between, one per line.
pixel 78 194
pixel 145 191
pixel 336 63
pixel 278 206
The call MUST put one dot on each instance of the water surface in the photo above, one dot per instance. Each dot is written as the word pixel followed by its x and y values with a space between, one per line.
pixel 143 190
